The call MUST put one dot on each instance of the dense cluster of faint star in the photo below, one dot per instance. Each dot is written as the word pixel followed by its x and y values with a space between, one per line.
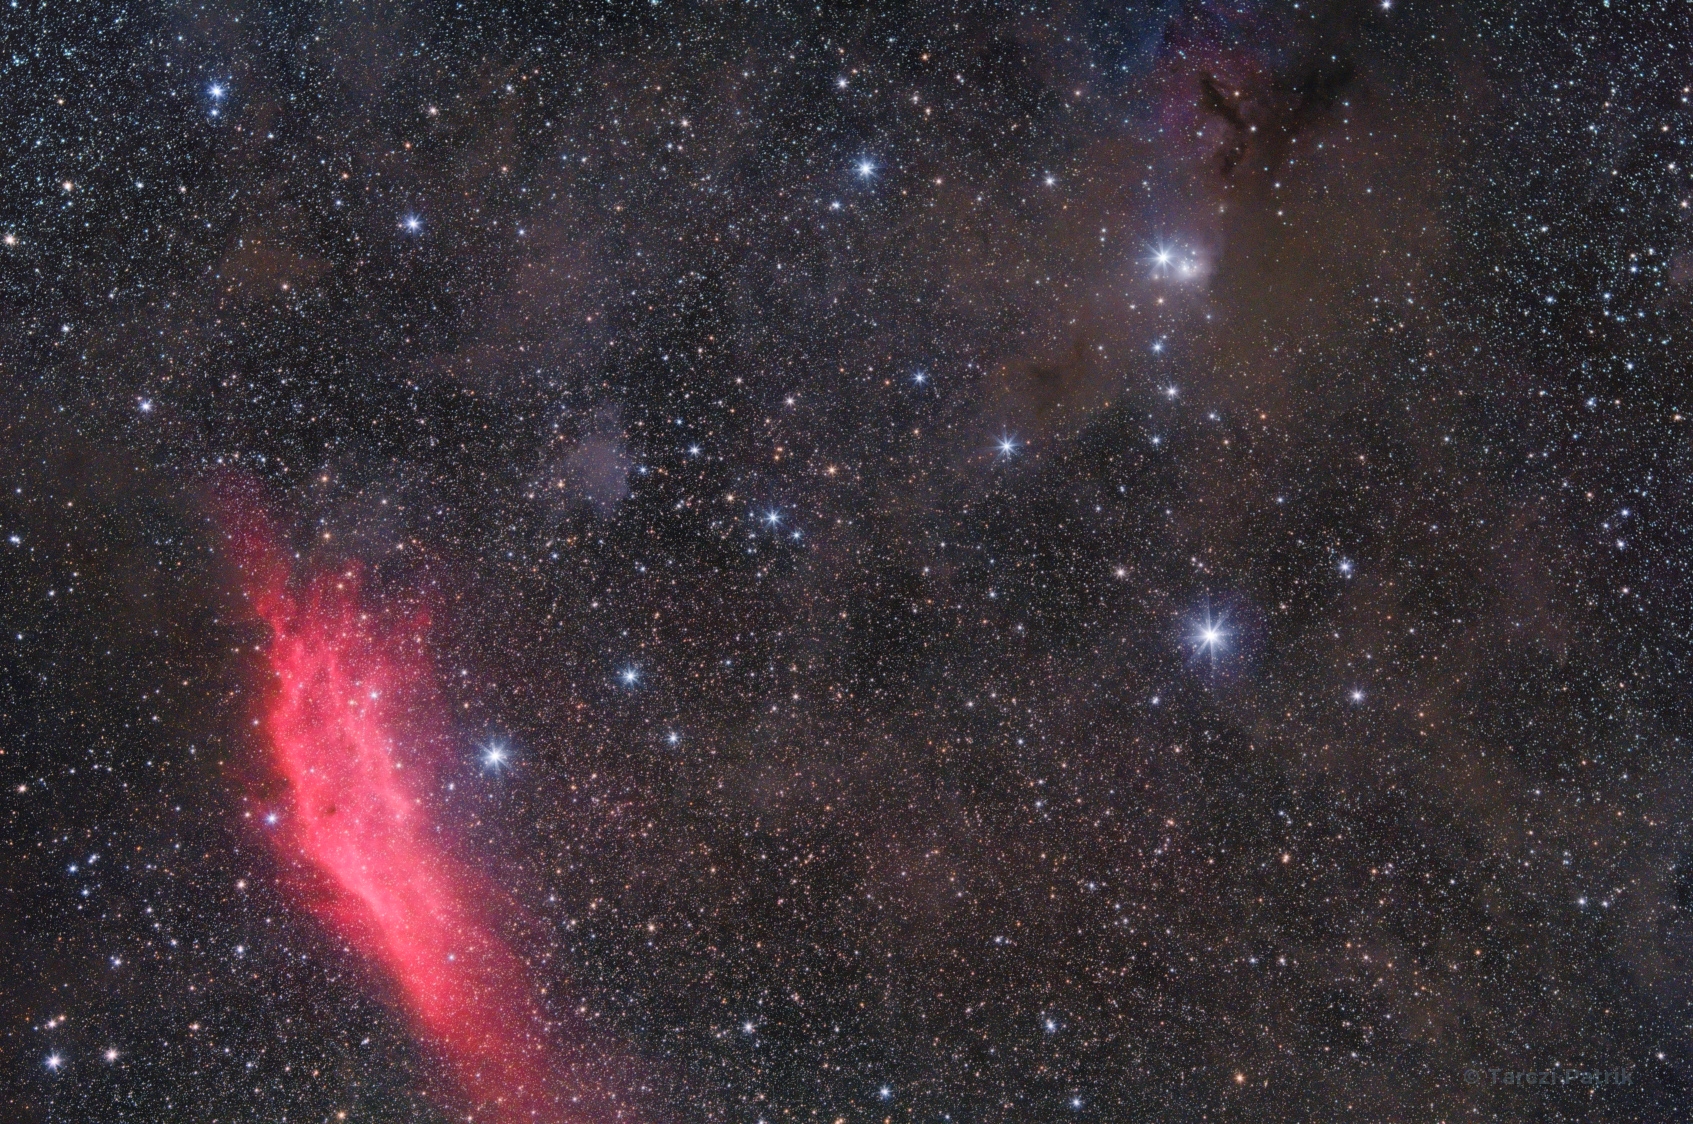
pixel 953 564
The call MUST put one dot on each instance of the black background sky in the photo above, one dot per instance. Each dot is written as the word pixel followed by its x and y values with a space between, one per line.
pixel 819 487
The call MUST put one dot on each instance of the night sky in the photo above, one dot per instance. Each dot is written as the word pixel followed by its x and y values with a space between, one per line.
pixel 761 563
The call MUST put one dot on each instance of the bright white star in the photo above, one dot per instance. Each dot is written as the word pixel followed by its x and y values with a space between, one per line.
pixel 630 676
pixel 412 224
pixel 495 756
pixel 866 169
pixel 1007 446
pixel 1162 261
pixel 1165 261
pixel 1210 637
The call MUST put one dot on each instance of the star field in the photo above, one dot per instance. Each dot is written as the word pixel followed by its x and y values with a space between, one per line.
pixel 761 563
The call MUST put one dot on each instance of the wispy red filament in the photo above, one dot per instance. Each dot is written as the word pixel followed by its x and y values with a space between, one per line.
pixel 348 702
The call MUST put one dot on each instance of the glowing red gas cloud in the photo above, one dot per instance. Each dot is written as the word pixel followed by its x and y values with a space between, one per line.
pixel 345 725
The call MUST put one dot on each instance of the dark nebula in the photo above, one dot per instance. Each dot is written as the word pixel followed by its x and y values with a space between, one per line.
pixel 846 564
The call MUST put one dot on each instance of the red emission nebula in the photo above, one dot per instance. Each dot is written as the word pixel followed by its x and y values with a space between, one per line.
pixel 345 726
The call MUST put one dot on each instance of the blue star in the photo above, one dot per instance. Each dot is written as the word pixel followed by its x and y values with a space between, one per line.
pixel 1210 637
